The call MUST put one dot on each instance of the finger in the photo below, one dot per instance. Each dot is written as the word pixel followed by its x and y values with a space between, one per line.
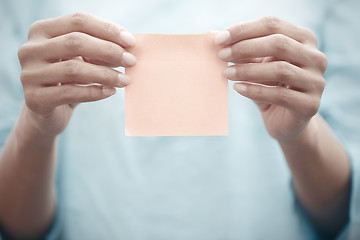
pixel 258 60
pixel 97 62
pixel 79 44
pixel 263 27
pixel 295 101
pixel 85 23
pixel 279 46
pixel 73 94
pixel 251 60
pixel 74 72
pixel 276 72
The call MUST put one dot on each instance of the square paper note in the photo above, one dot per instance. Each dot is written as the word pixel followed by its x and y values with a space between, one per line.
pixel 177 87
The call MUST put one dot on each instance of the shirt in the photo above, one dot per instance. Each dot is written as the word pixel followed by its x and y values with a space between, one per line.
pixel 109 186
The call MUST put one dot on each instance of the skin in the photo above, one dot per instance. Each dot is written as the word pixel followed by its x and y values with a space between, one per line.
pixel 61 53
pixel 278 65
pixel 280 56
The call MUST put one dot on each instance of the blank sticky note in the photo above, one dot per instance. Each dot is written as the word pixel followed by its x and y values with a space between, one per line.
pixel 177 87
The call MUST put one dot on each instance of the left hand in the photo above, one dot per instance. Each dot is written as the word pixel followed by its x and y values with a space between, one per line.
pixel 278 65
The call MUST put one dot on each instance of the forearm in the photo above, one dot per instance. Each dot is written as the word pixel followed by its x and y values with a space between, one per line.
pixel 321 174
pixel 27 204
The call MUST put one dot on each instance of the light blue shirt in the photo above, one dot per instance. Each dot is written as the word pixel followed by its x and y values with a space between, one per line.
pixel 236 187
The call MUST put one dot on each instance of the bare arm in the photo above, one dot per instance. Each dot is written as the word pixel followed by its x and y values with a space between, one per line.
pixel 321 175
pixel 278 65
pixel 67 60
pixel 27 204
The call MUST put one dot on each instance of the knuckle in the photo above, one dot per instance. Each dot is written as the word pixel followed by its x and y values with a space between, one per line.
pixel 245 71
pixel 281 42
pixel 283 96
pixel 311 35
pixel 66 94
pixel 258 92
pixel 240 28
pixel 24 52
pixel 71 69
pixel 93 93
pixel 241 50
pixel 110 50
pixel 320 84
pixel 284 71
pixel 74 41
pixel 35 27
pixel 271 23
pixel 25 77
pixel 79 19
pixel 321 61
pixel 111 30
pixel 108 77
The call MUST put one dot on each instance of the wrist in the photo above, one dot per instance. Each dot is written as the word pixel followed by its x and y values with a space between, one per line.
pixel 307 137
pixel 28 132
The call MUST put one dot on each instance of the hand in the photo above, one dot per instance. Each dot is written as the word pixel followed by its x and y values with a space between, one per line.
pixel 69 60
pixel 277 65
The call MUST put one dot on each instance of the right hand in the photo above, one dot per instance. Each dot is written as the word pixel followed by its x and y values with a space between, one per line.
pixel 69 60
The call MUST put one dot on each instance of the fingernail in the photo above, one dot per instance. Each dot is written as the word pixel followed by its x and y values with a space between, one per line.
pixel 128 38
pixel 108 91
pixel 222 37
pixel 229 72
pixel 240 87
pixel 225 53
pixel 129 59
pixel 123 79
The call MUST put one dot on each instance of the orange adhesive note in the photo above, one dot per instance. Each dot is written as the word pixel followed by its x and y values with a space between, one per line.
pixel 177 87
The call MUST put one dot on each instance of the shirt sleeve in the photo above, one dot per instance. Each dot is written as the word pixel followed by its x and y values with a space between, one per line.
pixel 16 17
pixel 341 99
